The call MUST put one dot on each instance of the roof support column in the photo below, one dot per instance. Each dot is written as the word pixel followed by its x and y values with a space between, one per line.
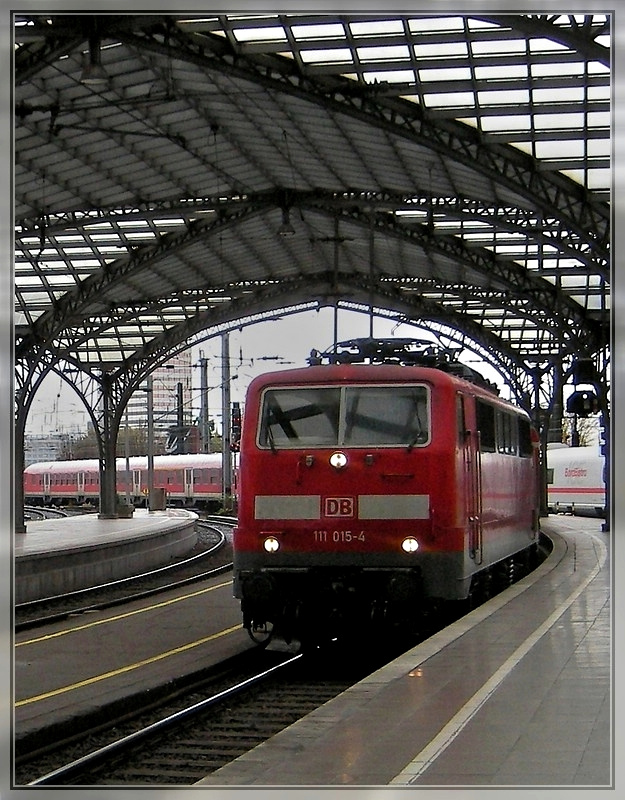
pixel 541 423
pixel 107 447
pixel 605 449
pixel 29 373
pixel 598 380
pixel 556 409
pixel 226 453
pixel 19 461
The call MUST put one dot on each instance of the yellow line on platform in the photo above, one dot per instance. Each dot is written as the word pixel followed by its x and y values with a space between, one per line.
pixel 118 617
pixel 127 668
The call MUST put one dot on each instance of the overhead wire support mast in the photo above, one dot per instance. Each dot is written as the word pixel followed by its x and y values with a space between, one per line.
pixel 225 422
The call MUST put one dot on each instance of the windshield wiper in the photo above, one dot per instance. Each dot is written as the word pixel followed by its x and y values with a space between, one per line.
pixel 413 441
pixel 419 432
pixel 270 439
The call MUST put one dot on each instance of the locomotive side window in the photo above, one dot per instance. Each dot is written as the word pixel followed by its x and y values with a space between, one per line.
pixel 461 424
pixel 503 432
pixel 525 438
pixel 354 416
pixel 506 433
pixel 486 425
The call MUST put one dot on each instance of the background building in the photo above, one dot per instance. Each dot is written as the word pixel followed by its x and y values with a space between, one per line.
pixel 48 447
pixel 172 404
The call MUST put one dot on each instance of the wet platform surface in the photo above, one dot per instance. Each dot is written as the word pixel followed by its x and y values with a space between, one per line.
pixel 88 530
pixel 516 694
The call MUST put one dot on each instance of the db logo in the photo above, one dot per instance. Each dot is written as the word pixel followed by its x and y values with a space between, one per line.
pixel 338 507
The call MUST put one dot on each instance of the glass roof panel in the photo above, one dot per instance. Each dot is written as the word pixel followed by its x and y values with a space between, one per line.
pixel 428 50
pixel 383 53
pixel 428 24
pixel 499 97
pixel 259 34
pixel 449 99
pixel 494 72
pixel 545 45
pixel 392 76
pixel 445 74
pixel 499 47
pixel 376 27
pixel 318 31
pixel 326 56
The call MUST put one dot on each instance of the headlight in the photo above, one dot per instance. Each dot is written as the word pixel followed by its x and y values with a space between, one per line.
pixel 338 460
pixel 410 545
pixel 271 544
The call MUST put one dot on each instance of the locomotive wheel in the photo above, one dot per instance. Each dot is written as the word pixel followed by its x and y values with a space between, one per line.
pixel 261 633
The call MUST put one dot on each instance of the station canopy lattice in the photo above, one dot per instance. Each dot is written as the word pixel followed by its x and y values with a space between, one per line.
pixel 175 174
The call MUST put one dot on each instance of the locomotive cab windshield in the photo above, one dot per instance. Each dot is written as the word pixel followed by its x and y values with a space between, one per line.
pixel 345 416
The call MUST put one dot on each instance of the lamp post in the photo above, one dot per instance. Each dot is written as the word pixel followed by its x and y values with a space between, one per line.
pixel 204 425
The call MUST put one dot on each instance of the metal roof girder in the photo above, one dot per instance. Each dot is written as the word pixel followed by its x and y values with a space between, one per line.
pixel 30 59
pixel 93 289
pixel 450 139
pixel 544 293
pixel 465 321
pixel 426 309
pixel 539 25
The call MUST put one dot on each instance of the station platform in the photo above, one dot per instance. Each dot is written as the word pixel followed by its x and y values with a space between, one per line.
pixel 516 694
pixel 66 554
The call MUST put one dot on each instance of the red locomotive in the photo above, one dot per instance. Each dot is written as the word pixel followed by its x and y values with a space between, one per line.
pixel 188 480
pixel 375 491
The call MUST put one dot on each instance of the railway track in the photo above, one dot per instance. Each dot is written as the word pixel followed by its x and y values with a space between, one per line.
pixel 182 732
pixel 205 726
pixel 212 556
pixel 34 513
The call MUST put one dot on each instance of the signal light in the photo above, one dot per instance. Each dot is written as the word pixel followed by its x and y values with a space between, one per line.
pixel 235 427
pixel 583 403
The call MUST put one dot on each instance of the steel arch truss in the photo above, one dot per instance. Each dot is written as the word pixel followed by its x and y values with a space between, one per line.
pixel 145 218
pixel 519 292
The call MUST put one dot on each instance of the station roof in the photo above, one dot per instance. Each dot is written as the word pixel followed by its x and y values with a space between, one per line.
pixel 174 175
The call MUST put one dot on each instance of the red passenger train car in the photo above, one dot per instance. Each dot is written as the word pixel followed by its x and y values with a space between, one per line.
pixel 188 480
pixel 375 491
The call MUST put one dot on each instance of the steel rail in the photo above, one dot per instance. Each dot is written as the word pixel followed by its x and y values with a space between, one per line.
pixel 127 743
